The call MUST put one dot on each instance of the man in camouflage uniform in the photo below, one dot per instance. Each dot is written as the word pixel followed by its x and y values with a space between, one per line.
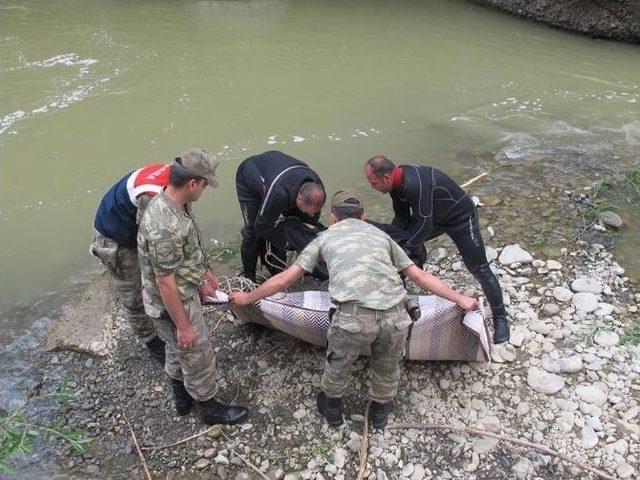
pixel 174 271
pixel 364 283
pixel 114 243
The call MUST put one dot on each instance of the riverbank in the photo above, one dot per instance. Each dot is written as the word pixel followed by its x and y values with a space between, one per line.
pixel 568 379
pixel 615 20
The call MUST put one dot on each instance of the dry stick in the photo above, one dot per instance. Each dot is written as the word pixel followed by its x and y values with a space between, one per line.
pixel 247 462
pixel 503 438
pixel 179 442
pixel 473 180
pixel 135 442
pixel 363 451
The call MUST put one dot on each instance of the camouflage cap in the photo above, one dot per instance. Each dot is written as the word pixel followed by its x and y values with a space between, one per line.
pixel 197 161
pixel 346 198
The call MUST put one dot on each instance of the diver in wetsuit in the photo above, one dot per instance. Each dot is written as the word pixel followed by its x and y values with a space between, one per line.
pixel 428 203
pixel 271 185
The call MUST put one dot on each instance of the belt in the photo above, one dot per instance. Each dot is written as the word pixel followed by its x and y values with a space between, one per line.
pixel 354 308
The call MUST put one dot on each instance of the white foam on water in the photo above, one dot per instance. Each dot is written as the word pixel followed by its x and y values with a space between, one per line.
pixel 632 132
pixel 298 139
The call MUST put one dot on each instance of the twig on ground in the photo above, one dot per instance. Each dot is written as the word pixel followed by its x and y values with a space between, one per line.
pixel 473 180
pixel 179 442
pixel 135 442
pixel 504 438
pixel 217 325
pixel 363 450
pixel 247 462
pixel 266 352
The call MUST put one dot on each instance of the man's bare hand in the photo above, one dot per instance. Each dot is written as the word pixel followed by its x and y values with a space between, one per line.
pixel 239 299
pixel 213 280
pixel 467 303
pixel 186 337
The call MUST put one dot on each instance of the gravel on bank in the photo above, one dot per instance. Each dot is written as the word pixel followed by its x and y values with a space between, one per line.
pixel 565 380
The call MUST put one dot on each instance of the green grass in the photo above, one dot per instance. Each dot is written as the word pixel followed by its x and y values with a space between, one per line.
pixel 18 433
pixel 630 336
pixel 586 335
pixel 322 451
pixel 222 252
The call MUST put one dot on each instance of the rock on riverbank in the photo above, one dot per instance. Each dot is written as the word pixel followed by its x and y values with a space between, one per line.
pixel 615 19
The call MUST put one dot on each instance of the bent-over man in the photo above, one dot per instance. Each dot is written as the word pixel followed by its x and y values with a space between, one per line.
pixel 365 285
pixel 271 185
pixel 428 203
pixel 174 270
pixel 115 229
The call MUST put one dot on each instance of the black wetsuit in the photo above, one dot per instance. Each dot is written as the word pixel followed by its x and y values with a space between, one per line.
pixel 429 203
pixel 267 186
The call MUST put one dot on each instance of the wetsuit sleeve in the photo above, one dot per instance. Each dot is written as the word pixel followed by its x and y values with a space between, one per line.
pixel 421 221
pixel 269 212
pixel 402 214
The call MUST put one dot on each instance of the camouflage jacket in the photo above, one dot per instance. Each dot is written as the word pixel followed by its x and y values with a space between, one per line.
pixel 169 242
pixel 363 264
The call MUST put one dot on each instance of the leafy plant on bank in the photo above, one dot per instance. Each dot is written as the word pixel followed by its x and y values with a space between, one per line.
pixel 221 252
pixel 18 433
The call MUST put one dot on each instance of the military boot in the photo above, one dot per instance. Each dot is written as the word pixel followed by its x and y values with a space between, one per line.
pixel 183 401
pixel 156 349
pixel 331 409
pixel 378 413
pixel 500 330
pixel 213 412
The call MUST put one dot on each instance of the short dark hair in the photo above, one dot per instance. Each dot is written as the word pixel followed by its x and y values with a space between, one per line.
pixel 380 165
pixel 179 177
pixel 344 211
pixel 312 194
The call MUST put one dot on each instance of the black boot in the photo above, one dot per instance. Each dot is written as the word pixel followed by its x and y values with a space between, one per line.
pixel 500 330
pixel 156 349
pixel 378 413
pixel 213 412
pixel 183 401
pixel 330 408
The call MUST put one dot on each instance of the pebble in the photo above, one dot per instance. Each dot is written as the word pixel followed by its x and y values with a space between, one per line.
pixel 550 309
pixel 562 294
pixel 606 338
pixel 518 334
pixel 585 302
pixel 492 253
pixel 340 457
pixel 589 438
pixel 503 353
pixel 418 472
pixel 221 460
pixel 611 219
pixel 624 470
pixel 300 414
pixel 544 382
pixel 523 469
pixel 591 394
pixel 553 265
pixel 514 254
pixel 585 284
pixel 202 463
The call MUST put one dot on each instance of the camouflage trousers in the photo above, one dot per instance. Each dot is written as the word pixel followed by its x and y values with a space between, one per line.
pixel 354 328
pixel 122 263
pixel 195 366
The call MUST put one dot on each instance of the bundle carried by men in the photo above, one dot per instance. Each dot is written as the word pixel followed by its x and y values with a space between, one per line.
pixel 442 332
